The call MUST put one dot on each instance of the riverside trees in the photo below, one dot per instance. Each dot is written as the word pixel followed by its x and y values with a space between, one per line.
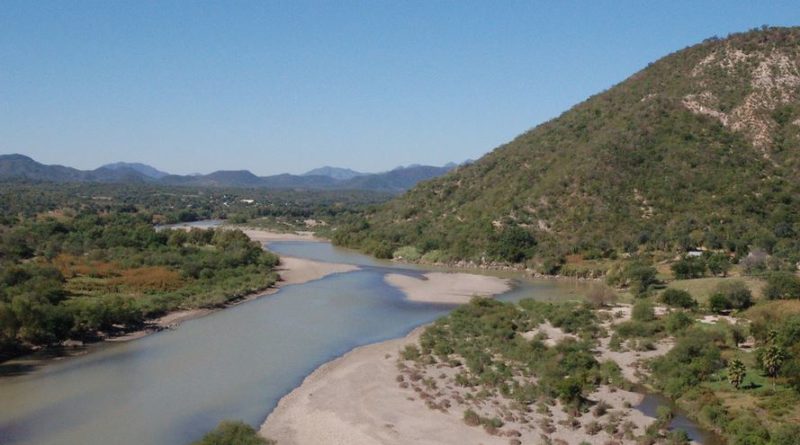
pixel 70 277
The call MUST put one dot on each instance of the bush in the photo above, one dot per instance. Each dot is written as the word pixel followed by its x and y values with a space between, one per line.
pixel 689 267
pixel 643 311
pixel 678 298
pixel 410 352
pixel 719 303
pixel 383 251
pixel 677 322
pixel 408 253
pixel 693 360
pixel 233 433
pixel 718 264
pixel 513 244
pixel 736 292
pixel 471 418
pixel 600 295
pixel 640 277
pixel 782 285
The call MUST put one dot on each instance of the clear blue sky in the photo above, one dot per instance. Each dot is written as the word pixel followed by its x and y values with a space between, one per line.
pixel 285 86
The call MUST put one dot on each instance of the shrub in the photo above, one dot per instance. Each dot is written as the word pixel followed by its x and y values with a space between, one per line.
pixel 513 244
pixel 600 295
pixel 782 285
pixel 719 303
pixel 736 292
pixel 755 261
pixel 677 321
pixel 408 253
pixel 233 433
pixel 718 264
pixel 689 267
pixel 410 352
pixel 471 418
pixel 643 311
pixel 678 298
pixel 383 250
pixel 694 359
pixel 747 430
pixel 640 277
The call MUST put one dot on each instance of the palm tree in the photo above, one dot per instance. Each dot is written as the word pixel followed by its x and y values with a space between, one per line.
pixel 736 373
pixel 772 357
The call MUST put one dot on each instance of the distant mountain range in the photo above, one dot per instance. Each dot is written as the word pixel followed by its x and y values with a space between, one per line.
pixel 144 169
pixel 341 174
pixel 20 167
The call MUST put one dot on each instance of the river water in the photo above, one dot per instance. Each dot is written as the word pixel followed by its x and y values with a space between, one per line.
pixel 171 387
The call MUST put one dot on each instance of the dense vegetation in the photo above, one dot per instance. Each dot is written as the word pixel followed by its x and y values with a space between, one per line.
pixel 740 378
pixel 82 261
pixel 70 277
pixel 749 393
pixel 490 346
pixel 699 150
pixel 169 205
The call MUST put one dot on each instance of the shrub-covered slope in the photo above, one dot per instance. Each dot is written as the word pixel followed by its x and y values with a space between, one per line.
pixel 699 149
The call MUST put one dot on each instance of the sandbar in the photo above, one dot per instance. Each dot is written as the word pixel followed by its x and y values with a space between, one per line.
pixel 449 288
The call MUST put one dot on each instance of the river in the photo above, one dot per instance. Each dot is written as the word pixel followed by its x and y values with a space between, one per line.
pixel 171 387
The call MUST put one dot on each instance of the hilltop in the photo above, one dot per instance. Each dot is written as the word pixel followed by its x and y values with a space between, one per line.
pixel 144 169
pixel 700 149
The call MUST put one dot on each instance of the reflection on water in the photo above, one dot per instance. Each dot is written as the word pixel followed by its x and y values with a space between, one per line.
pixel 173 386
pixel 650 406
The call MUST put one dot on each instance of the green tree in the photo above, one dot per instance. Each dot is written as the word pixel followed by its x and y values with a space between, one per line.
pixel 718 264
pixel 639 277
pixel 736 293
pixel 719 303
pixel 678 298
pixel 736 373
pixel 689 267
pixel 772 356
pixel 782 285
pixel 513 244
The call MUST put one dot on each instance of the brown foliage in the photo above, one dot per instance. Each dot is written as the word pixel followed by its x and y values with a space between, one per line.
pixel 149 278
pixel 71 266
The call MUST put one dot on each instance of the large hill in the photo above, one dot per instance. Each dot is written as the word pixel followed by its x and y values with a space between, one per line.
pixel 699 149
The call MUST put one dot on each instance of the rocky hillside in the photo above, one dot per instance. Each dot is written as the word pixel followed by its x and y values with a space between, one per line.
pixel 699 149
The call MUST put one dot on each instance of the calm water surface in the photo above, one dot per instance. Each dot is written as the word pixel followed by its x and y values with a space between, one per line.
pixel 171 387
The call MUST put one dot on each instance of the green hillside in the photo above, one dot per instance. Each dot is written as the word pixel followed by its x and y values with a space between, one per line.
pixel 699 149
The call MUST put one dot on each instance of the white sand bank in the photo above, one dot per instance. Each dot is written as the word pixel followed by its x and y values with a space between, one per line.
pixel 355 400
pixel 450 288
pixel 299 270
pixel 265 236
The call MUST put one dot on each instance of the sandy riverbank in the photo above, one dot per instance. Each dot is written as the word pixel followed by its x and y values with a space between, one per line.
pixel 265 236
pixel 361 399
pixel 449 288
pixel 355 400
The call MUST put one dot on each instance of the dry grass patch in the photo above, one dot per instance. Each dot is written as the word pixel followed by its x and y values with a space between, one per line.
pixel 702 288
pixel 773 310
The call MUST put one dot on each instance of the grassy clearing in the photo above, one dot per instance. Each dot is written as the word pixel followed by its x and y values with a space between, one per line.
pixel 702 288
